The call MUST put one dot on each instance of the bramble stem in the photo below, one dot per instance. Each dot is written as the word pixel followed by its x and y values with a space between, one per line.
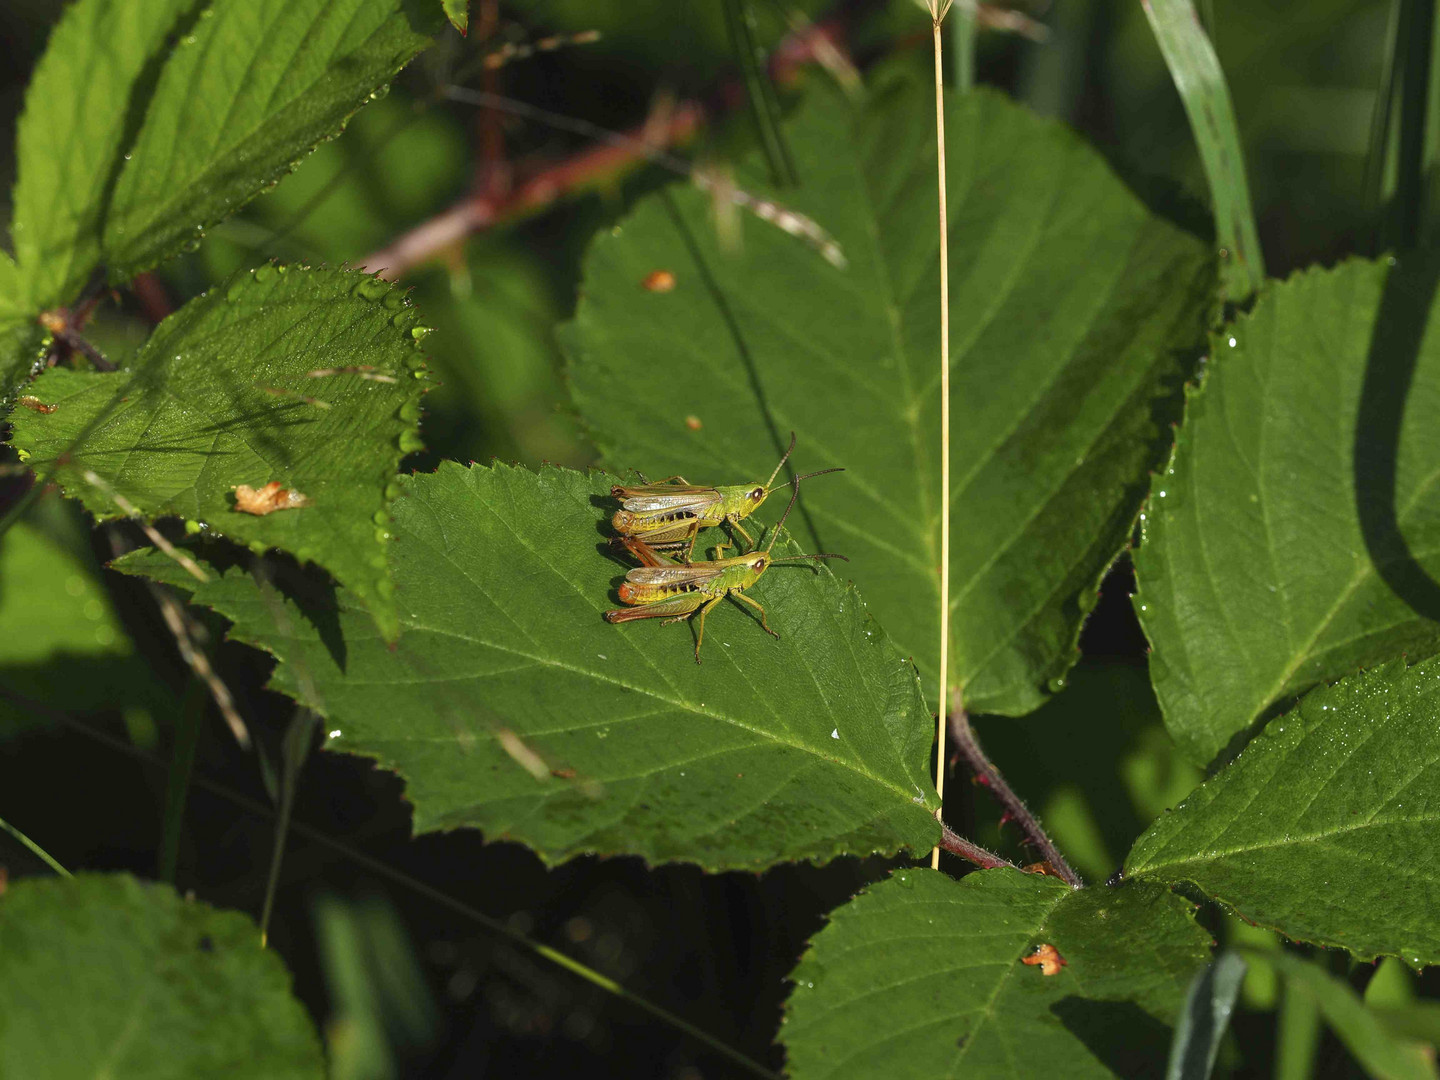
pixel 968 747
pixel 956 844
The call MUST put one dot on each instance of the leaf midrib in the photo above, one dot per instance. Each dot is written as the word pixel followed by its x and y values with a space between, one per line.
pixel 1313 837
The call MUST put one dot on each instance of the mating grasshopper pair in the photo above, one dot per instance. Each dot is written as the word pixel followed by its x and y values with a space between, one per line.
pixel 665 516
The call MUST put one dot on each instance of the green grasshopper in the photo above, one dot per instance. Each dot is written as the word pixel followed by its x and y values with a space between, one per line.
pixel 670 515
pixel 662 587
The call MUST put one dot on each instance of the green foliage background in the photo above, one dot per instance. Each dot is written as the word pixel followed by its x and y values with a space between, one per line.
pixel 460 616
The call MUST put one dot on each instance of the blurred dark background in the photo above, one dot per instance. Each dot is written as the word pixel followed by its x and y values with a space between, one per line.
pixel 408 951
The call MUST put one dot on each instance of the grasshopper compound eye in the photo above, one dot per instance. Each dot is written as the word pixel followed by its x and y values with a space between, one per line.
pixel 757 494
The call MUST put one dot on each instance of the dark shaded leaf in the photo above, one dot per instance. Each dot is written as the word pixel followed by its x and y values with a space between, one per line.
pixel 922 976
pixel 102 975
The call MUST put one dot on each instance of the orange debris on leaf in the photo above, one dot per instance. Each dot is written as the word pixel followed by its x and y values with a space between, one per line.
pixel 1048 958
pixel 266 500
pixel 35 404
pixel 659 281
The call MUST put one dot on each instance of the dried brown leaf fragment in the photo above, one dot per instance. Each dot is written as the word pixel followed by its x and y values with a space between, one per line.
pixel 266 500
pixel 1047 958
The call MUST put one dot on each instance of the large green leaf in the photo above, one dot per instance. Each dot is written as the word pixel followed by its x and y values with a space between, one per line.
pixel 103 976
pixel 807 747
pixel 81 108
pixel 251 91
pixel 1295 536
pixel 921 976
pixel 1326 827
pixel 1070 305
pixel 216 399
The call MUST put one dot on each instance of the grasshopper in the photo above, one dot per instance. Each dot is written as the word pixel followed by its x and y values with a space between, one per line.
pixel 670 515
pixel 661 587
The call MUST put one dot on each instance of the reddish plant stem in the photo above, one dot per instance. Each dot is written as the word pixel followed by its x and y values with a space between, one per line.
pixel 480 209
pixel 962 735
pixel 152 296
pixel 499 196
pixel 956 844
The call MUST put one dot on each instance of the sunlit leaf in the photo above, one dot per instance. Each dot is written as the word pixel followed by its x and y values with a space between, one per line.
pixel 224 393
pixel 1325 827
pixel 511 705
pixel 81 110
pixel 1295 537
pixel 243 97
pixel 1071 307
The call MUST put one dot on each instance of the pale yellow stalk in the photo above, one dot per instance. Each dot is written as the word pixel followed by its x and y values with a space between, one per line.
pixel 937 16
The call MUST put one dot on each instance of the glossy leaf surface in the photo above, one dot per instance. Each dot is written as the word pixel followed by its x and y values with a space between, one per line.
pixel 1295 536
pixel 922 976
pixel 217 398
pixel 511 705
pixel 1070 308
pixel 1327 826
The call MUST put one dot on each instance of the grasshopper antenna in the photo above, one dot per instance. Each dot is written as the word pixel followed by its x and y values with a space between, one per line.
pixel 795 494
pixel 808 475
pixel 788 450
